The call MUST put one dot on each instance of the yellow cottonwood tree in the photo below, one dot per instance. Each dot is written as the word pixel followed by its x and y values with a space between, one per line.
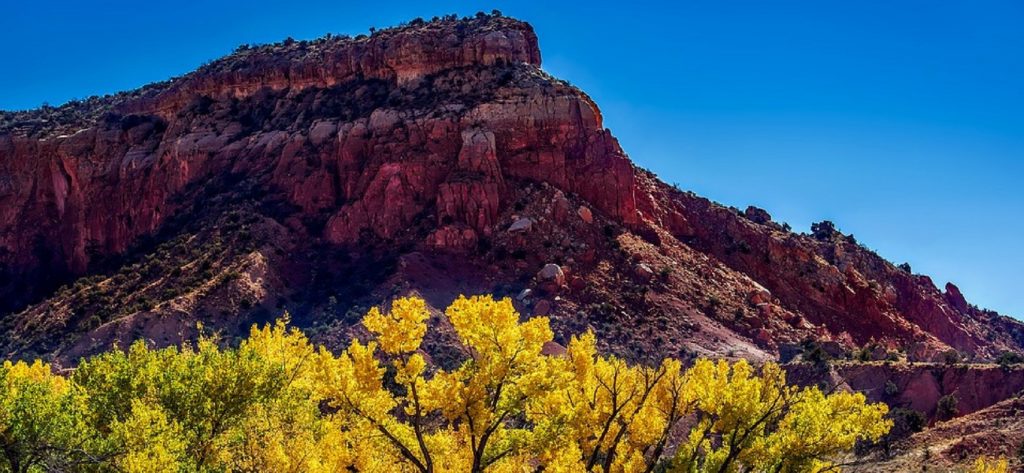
pixel 287 432
pixel 147 440
pixel 621 415
pixel 750 421
pixel 208 408
pixel 472 418
pixel 40 425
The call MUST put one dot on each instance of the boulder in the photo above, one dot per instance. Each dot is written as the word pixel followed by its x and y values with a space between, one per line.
pixel 552 273
pixel 759 296
pixel 522 224
pixel 585 214
pixel 552 349
pixel 577 283
pixel 560 207
pixel 643 272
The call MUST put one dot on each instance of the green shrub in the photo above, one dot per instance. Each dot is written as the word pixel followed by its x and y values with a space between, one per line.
pixel 947 407
pixel 907 421
pixel 951 357
pixel 824 230
pixel 891 389
pixel 1009 358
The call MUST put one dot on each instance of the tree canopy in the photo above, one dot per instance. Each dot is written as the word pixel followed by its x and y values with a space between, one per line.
pixel 278 403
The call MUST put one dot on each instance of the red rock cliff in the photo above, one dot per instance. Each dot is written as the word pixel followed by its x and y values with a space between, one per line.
pixel 443 139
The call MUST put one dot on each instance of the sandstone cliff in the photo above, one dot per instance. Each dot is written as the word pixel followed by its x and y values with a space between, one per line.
pixel 438 157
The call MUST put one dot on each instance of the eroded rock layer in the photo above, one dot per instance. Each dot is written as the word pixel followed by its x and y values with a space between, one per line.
pixel 435 158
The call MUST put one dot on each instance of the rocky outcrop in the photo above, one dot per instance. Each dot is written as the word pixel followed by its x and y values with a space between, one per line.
pixel 377 169
pixel 401 55
pixel 836 284
pixel 920 386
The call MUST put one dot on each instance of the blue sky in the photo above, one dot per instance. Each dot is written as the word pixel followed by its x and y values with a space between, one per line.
pixel 903 122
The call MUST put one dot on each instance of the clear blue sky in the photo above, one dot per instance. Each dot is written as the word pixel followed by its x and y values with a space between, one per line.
pixel 903 122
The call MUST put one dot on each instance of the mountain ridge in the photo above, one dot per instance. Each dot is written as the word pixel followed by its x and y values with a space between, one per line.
pixel 422 143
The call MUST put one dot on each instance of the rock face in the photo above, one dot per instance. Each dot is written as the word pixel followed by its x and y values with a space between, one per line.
pixel 377 155
pixel 920 386
pixel 434 158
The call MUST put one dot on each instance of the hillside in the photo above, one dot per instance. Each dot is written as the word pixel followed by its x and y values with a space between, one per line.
pixel 394 156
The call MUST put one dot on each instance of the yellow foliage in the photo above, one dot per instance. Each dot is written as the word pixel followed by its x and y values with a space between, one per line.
pixel 401 330
pixel 40 421
pixel 990 465
pixel 277 403
pixel 151 442
pixel 754 421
